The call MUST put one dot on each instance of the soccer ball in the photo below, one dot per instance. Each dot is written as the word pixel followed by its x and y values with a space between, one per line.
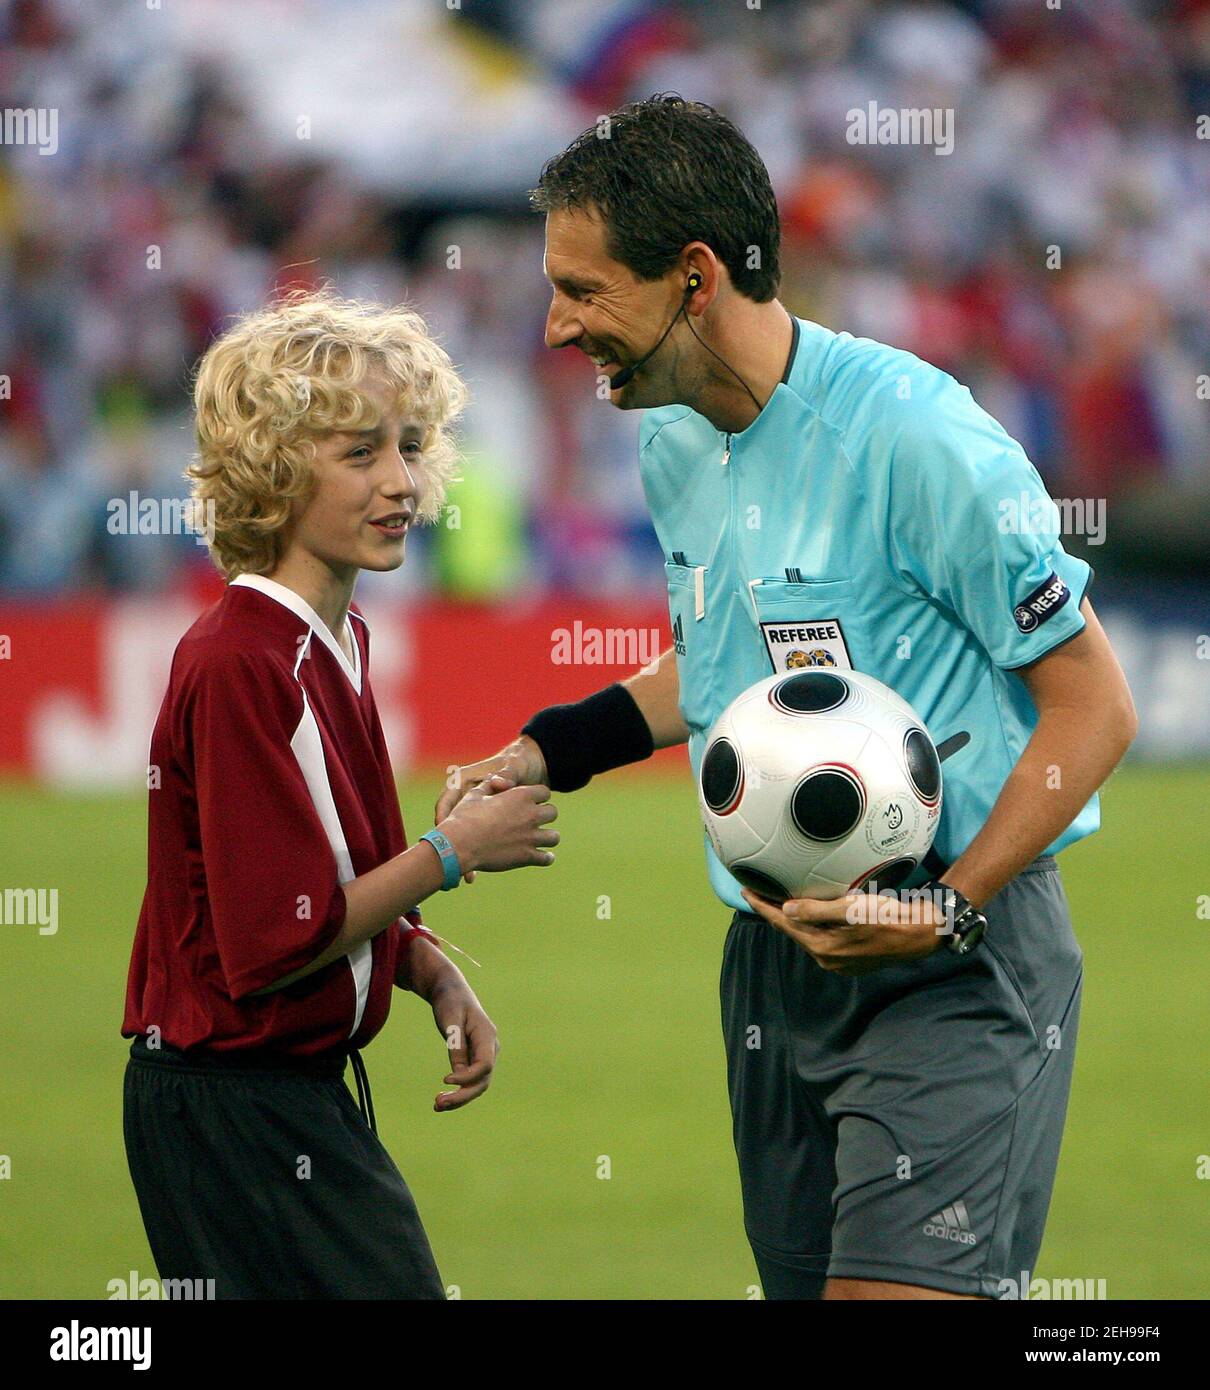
pixel 816 783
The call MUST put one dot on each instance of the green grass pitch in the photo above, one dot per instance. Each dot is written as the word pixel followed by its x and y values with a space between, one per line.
pixel 602 975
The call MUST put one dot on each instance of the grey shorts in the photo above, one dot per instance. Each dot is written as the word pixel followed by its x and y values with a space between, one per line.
pixel 903 1125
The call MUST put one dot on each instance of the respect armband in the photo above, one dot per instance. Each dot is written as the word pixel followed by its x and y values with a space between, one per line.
pixel 605 731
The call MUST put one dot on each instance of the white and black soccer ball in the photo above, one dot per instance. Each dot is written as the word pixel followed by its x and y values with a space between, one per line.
pixel 816 783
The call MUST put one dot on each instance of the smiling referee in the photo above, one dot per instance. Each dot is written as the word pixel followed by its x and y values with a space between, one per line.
pixel 898 1092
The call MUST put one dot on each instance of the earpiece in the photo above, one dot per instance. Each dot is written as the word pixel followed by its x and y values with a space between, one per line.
pixel 693 283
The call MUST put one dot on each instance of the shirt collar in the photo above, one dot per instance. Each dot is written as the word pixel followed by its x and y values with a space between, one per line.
pixel 794 332
pixel 302 609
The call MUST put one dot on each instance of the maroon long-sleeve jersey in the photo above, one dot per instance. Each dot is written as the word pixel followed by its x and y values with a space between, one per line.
pixel 269 787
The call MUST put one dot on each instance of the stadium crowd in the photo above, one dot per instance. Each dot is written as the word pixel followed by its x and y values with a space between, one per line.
pixel 1057 261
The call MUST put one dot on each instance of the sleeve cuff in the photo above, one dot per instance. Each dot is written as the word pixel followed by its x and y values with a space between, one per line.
pixel 248 981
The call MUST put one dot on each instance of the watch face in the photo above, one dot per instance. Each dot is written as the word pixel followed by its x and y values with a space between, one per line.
pixel 967 931
pixel 970 939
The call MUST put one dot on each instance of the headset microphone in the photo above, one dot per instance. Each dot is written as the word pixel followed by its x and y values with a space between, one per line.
pixel 626 375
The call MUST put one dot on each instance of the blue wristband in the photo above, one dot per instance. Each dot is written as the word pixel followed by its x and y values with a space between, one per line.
pixel 450 867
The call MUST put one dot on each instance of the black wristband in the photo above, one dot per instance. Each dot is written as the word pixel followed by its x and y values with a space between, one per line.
pixel 605 731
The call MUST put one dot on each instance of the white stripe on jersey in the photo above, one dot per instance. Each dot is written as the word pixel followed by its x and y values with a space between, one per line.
pixel 307 747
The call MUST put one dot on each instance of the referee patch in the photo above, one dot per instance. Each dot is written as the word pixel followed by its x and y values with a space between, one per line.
pixel 807 642
pixel 1043 603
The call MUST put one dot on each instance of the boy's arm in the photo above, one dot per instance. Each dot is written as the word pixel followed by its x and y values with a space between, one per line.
pixel 373 902
pixel 278 909
pixel 498 828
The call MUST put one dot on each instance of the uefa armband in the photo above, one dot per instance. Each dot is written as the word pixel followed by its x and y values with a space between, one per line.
pixel 577 741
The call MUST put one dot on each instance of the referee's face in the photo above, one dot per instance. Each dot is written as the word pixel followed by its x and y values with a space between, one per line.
pixel 601 307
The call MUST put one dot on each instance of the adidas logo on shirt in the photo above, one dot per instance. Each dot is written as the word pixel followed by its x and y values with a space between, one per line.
pixel 678 636
pixel 951 1224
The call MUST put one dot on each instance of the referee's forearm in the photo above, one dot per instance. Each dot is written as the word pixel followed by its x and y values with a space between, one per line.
pixel 657 693
pixel 1086 721
pixel 1072 751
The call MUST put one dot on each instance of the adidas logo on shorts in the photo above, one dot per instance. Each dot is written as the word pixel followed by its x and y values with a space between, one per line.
pixel 951 1224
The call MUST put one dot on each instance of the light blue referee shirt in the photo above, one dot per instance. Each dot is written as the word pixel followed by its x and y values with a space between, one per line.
pixel 872 516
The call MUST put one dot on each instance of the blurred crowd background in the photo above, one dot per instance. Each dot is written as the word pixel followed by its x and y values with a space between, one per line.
pixel 207 152
pixel 1057 262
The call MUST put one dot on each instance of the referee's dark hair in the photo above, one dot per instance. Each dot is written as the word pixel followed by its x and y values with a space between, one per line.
pixel 664 172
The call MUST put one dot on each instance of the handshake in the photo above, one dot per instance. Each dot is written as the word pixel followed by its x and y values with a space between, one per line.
pixel 496 812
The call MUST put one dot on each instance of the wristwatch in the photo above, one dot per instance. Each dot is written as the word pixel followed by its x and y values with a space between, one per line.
pixel 966 923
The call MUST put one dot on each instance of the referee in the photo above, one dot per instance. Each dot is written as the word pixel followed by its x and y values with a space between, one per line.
pixel 898 1127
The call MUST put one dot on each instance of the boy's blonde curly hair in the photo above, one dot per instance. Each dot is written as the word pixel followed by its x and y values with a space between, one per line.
pixel 288 374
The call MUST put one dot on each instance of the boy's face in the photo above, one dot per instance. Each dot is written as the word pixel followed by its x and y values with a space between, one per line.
pixel 365 491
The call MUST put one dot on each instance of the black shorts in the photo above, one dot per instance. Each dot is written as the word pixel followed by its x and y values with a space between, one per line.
pixel 265 1178
pixel 904 1125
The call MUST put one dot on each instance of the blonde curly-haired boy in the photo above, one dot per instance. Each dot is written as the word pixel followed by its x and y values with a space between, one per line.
pixel 280 909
